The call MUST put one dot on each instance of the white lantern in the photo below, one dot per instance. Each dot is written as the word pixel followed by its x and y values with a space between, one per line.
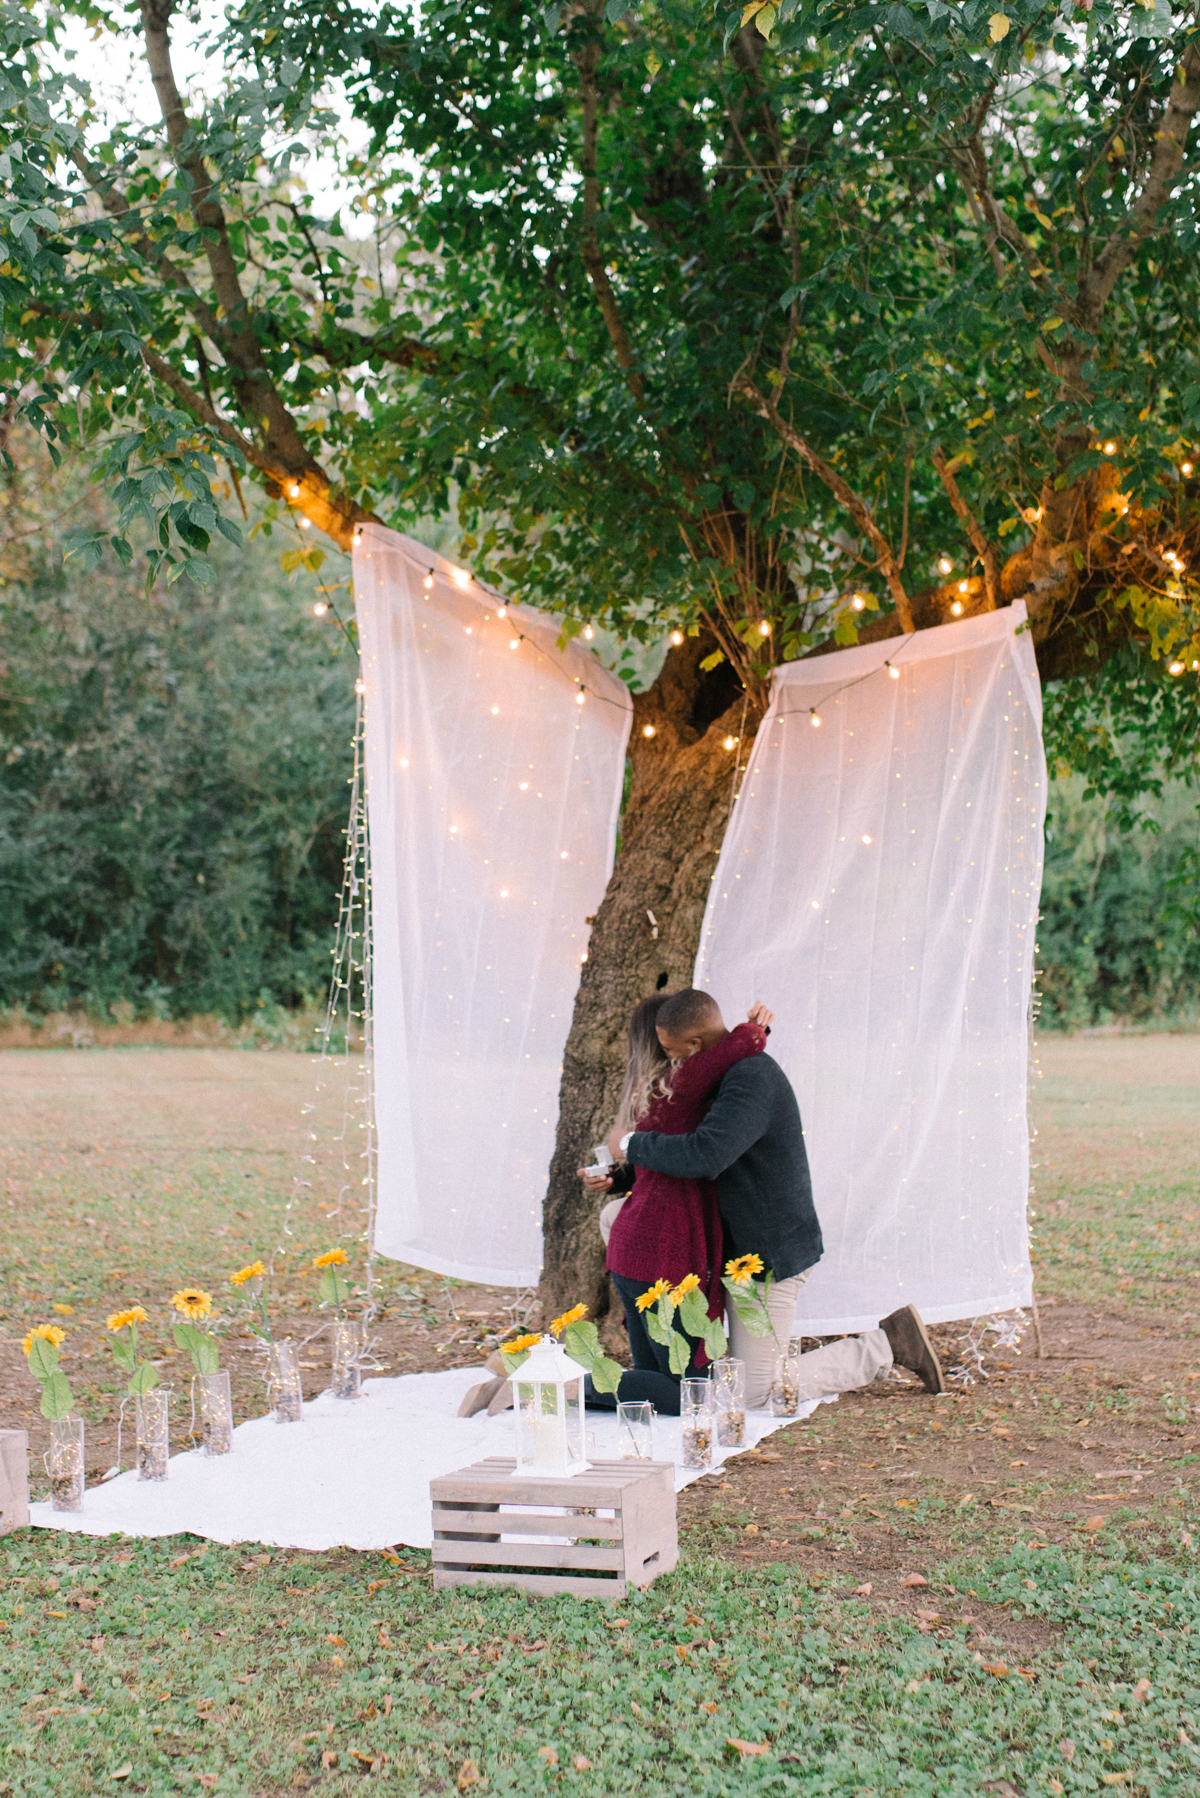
pixel 548 1407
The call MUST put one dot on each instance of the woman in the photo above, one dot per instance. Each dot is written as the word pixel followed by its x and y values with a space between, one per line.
pixel 667 1228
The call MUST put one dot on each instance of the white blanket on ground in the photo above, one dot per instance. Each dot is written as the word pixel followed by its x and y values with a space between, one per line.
pixel 353 1474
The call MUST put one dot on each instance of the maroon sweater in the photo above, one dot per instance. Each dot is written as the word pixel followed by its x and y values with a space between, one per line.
pixel 667 1227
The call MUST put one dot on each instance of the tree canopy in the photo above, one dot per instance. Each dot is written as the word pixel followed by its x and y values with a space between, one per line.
pixel 885 319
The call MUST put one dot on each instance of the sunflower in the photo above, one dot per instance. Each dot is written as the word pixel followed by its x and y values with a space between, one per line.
pixel 688 1284
pixel 255 1271
pixel 48 1332
pixel 568 1317
pixel 652 1296
pixel 332 1258
pixel 519 1344
pixel 743 1269
pixel 124 1320
pixel 192 1303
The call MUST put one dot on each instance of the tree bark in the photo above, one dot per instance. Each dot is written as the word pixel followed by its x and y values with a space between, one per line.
pixel 674 821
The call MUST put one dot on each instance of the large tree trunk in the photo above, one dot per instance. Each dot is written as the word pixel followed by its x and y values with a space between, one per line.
pixel 675 818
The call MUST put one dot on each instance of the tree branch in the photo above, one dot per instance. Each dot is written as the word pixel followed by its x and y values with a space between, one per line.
pixel 837 486
pixel 983 549
pixel 586 61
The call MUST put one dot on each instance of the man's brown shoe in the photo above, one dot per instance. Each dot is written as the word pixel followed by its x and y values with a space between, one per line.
pixel 912 1348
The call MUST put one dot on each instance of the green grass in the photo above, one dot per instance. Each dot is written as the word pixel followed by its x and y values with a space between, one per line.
pixel 224 1674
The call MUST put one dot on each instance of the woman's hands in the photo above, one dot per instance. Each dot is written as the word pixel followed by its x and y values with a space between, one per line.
pixel 595 1182
pixel 758 1014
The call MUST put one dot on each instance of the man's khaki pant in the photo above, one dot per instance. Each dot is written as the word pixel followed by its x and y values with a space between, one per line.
pixel 837 1367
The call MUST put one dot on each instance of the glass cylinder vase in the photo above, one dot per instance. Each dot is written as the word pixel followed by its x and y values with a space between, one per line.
pixel 216 1412
pixel 66 1463
pixel 729 1398
pixel 635 1429
pixel 286 1393
pixel 153 1439
pixel 347 1358
pixel 696 1412
pixel 785 1387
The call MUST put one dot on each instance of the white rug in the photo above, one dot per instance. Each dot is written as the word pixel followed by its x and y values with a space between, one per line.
pixel 353 1474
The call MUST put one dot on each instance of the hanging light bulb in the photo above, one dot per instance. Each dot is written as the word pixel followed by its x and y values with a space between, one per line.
pixel 306 524
pixel 588 632
pixel 504 892
pixel 964 586
pixel 427 583
pixel 956 608
pixel 516 643
pixel 867 840
pixel 1110 448
pixel 858 602
pixel 356 540
pixel 294 491
pixel 1185 468
pixel 495 711
pixel 731 742
pixel 1175 668
pixel 815 721
pixel 360 687
pixel 944 565
pixel 764 627
pixel 677 635
pixel 320 609
pixel 647 730
pixel 580 697
pixel 502 611
pixel 562 855
pixel 894 672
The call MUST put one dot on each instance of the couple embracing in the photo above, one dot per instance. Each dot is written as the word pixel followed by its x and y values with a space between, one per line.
pixel 710 1163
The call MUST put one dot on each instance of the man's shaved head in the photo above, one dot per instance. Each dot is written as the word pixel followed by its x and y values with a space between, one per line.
pixel 690 1013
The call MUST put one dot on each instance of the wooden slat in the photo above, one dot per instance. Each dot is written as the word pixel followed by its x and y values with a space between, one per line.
pixel 540 1585
pixel 488 1487
pixel 525 1554
pixel 523 1523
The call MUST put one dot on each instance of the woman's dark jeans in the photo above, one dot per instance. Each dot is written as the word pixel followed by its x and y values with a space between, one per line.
pixel 651 1377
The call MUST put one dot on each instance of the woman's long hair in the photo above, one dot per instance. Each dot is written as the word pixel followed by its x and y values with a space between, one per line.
pixel 648 1073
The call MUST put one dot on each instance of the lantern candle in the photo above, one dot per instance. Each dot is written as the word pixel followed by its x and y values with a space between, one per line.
pixel 548 1411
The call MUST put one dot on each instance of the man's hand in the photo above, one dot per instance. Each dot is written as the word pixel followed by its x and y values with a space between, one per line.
pixel 758 1014
pixel 595 1182
pixel 613 1139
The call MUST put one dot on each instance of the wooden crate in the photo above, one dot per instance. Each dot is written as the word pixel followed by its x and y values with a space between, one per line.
pixel 593 1535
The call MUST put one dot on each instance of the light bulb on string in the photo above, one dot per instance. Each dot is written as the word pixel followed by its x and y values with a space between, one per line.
pixel 894 672
pixel 867 840
pixel 731 742
pixel 580 697
pixel 495 711
pixel 588 632
pixel 648 730
pixel 956 608
pixel 427 583
pixel 306 524
pixel 320 609
pixel 858 602
pixel 356 540
pixel 764 627
pixel 502 611
pixel 360 687
pixel 677 637
pixel 294 492
pixel 1110 448
pixel 1185 468
pixel 515 644
pixel 815 720
pixel 964 586
pixel 1175 668
pixel 945 565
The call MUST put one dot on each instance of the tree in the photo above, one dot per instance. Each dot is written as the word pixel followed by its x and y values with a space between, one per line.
pixel 769 345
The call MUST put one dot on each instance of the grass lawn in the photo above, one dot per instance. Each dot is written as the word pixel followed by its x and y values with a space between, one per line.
pixel 991 1592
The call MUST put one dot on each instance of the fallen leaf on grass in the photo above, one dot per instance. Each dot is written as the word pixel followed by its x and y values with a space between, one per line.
pixel 864 1591
pixel 336 1641
pixel 709 1705
pixel 1115 1779
pixel 477 1693
pixel 207 1780
pixel 329 1758
pixel 468 1775
pixel 914 1579
pixel 747 1748
pixel 77 1684
pixel 122 1772
pixel 1093 1524
pixel 1067 1748
pixel 1055 1785
pixel 549 1755
pixel 619 1623
pixel 1141 1691
pixel 997 1668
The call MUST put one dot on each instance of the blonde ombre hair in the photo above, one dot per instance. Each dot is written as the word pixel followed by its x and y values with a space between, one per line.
pixel 648 1071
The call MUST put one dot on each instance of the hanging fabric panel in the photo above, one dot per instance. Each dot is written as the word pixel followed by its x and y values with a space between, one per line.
pixel 493 798
pixel 878 887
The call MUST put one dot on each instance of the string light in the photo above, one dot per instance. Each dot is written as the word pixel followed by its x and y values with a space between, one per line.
pixel 427 583
pixel 588 632
pixel 764 626
pixel 294 492
pixel 495 711
pixel 815 721
pixel 1110 449
pixel 562 855
pixel 731 742
pixel 964 586
pixel 504 892
pixel 360 687
pixel 460 577
pixel 306 524
pixel 647 730
pixel 1185 468
pixel 502 611
pixel 1176 668
pixel 470 630
pixel 356 540
pixel 944 565
pixel 580 697
pixel 956 608
pixel 893 672
pixel 320 609
pixel 515 644
pixel 858 602
pixel 677 635
pixel 867 840
pixel 524 787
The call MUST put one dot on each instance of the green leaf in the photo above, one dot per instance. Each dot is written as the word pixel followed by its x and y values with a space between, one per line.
pixel 145 1379
pixel 655 1328
pixel 606 1374
pixel 693 1312
pixel 716 1342
pixel 582 1342
pixel 679 1353
pixel 43 1359
pixel 512 1362
pixel 56 1397
pixel 335 1288
pixel 122 1353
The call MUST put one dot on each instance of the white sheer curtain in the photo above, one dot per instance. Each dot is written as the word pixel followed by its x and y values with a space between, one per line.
pixel 878 886
pixel 493 797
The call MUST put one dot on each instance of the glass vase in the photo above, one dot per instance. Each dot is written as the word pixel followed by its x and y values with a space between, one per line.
pixel 66 1463
pixel 347 1358
pixel 729 1398
pixel 635 1429
pixel 153 1441
pixel 216 1412
pixel 286 1393
pixel 785 1387
pixel 696 1411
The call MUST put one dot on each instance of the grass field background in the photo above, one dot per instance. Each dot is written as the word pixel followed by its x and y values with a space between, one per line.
pixel 764 1664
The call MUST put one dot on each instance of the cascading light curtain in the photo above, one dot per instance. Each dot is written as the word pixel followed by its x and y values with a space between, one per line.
pixel 878 886
pixel 495 764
